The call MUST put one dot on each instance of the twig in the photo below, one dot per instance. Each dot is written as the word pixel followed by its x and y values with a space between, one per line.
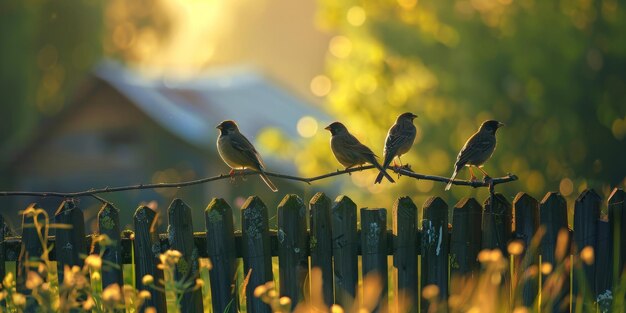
pixel 404 171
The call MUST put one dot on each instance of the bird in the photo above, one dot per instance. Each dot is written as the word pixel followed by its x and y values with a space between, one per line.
pixel 477 150
pixel 237 151
pixel 349 151
pixel 399 140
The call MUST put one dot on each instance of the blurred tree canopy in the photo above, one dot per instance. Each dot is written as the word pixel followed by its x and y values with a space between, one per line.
pixel 553 71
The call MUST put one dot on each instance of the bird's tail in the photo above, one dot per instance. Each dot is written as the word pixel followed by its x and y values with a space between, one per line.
pixel 383 173
pixel 451 179
pixel 267 181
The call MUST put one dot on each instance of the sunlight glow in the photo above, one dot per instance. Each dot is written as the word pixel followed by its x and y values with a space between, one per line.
pixel 356 16
pixel 307 127
pixel 340 46
pixel 320 85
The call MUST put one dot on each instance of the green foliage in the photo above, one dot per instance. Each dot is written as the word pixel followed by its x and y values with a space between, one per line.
pixel 553 71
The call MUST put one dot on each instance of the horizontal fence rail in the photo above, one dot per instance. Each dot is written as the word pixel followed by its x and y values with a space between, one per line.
pixel 334 242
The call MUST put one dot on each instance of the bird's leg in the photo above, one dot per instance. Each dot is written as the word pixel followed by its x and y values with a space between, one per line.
pixel 484 173
pixel 349 167
pixel 472 178
pixel 232 175
pixel 401 166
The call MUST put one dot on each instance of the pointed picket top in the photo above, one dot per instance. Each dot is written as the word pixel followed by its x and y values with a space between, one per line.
pixel 253 202
pixel 524 198
pixel 292 202
pixel 320 198
pixel 343 202
pixel 468 204
pixel 552 197
pixel 589 193
pixel 144 214
pixel 215 210
pixel 435 208
pixel 617 196
pixel 66 207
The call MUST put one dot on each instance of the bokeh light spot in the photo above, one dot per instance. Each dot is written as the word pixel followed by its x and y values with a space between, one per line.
pixel 307 127
pixel 407 4
pixel 356 16
pixel 340 46
pixel 566 187
pixel 320 85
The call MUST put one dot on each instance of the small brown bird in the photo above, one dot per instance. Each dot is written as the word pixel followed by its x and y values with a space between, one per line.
pixel 399 140
pixel 237 151
pixel 349 151
pixel 477 150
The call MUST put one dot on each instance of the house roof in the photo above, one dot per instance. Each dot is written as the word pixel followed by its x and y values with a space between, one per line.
pixel 191 108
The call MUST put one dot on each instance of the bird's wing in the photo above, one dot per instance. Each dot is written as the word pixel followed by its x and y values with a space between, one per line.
pixel 355 145
pixel 476 145
pixel 398 135
pixel 241 143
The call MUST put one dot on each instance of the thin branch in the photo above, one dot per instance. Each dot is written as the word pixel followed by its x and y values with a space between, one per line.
pixel 403 171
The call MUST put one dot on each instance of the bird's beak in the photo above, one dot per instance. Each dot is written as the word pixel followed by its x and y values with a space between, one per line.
pixel 327 127
pixel 219 126
pixel 500 124
pixel 414 115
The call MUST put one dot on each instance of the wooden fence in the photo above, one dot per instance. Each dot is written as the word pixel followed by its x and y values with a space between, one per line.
pixel 333 242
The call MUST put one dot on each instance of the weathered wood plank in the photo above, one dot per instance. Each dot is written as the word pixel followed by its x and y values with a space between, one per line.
pixel 345 243
pixel 604 260
pixel 109 225
pixel 321 244
pixel 147 250
pixel 31 251
pixel 586 215
pixel 374 250
pixel 465 241
pixel 220 243
pixel 405 255
pixel 497 224
pixel 256 251
pixel 293 261
pixel 180 237
pixel 435 247
pixel 3 233
pixel 553 215
pixel 617 223
pixel 526 225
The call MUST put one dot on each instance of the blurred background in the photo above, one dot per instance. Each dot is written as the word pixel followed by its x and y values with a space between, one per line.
pixel 107 93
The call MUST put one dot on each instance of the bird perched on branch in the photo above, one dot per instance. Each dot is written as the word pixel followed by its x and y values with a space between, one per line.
pixel 399 140
pixel 477 150
pixel 237 151
pixel 349 151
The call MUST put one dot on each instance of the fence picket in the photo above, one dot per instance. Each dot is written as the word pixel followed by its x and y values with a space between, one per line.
pixel 3 234
pixel 293 258
pixel 31 250
pixel 345 246
pixel 586 215
pixel 320 243
pixel 180 237
pixel 220 243
pixel 526 224
pixel 496 224
pixel 604 260
pixel 147 250
pixel 553 215
pixel 109 225
pixel 435 247
pixel 617 222
pixel 256 251
pixel 374 250
pixel 465 241
pixel 405 256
